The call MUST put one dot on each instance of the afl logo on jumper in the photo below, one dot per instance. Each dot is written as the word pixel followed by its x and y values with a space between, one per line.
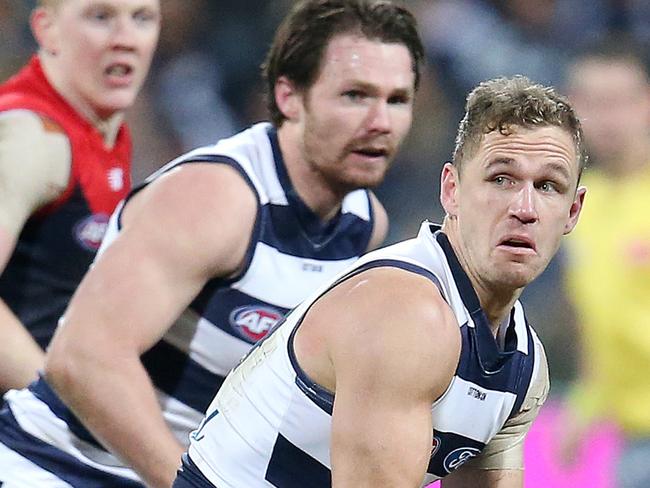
pixel 254 321
pixel 90 231
pixel 458 457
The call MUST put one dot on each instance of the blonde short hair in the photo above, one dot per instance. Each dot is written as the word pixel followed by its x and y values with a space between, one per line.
pixel 501 103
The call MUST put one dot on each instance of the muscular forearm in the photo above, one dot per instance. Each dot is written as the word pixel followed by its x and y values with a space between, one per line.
pixel 20 355
pixel 115 399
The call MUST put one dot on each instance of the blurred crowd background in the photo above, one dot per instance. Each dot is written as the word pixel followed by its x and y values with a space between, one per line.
pixel 205 84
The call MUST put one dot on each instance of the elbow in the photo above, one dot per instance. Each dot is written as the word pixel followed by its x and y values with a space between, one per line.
pixel 60 368
pixel 67 364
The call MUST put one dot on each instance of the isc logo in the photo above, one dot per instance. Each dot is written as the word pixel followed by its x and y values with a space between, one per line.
pixel 254 321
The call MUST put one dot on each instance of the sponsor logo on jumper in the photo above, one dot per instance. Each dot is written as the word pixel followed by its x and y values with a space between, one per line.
pixel 116 179
pixel 312 267
pixel 456 458
pixel 90 231
pixel 476 393
pixel 254 321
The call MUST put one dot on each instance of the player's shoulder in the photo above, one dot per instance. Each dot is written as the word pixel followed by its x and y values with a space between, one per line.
pixel 209 207
pixel 398 322
pixel 27 123
pixel 403 306
pixel 202 187
pixel 35 157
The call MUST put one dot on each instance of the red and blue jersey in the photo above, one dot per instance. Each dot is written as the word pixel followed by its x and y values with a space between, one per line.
pixel 60 240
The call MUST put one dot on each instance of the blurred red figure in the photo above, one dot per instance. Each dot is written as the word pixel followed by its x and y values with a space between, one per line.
pixel 64 161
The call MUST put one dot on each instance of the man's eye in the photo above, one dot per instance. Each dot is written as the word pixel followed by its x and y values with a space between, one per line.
pixel 99 15
pixel 144 16
pixel 354 95
pixel 548 186
pixel 399 100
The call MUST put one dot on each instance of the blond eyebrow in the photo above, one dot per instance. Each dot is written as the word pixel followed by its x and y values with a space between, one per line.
pixel 554 166
pixel 500 161
pixel 561 168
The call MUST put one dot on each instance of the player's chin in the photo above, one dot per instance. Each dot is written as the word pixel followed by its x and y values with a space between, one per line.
pixel 368 176
pixel 117 100
pixel 518 275
pixel 364 181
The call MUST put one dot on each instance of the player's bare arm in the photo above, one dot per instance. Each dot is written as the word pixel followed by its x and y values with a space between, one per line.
pixel 176 234
pixel 34 169
pixel 387 364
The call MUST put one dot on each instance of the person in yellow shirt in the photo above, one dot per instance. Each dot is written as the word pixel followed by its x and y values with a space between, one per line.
pixel 608 274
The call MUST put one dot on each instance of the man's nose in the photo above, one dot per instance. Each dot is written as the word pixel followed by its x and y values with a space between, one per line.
pixel 379 119
pixel 124 33
pixel 524 204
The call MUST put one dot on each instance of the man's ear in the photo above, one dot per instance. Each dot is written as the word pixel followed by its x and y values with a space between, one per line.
pixel 576 208
pixel 449 180
pixel 44 29
pixel 288 98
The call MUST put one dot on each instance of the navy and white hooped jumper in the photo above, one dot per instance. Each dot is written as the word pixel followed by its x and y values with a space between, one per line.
pixel 269 425
pixel 291 253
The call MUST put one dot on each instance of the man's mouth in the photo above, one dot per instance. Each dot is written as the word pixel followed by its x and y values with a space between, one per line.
pixel 371 152
pixel 119 72
pixel 518 244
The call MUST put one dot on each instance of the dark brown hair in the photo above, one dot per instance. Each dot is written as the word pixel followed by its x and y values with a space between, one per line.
pixel 300 41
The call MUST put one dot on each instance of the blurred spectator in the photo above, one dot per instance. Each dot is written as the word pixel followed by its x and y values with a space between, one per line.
pixel 473 40
pixel 15 38
pixel 188 77
pixel 609 269
pixel 65 158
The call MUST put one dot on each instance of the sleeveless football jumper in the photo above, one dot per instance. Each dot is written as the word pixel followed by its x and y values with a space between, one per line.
pixel 269 425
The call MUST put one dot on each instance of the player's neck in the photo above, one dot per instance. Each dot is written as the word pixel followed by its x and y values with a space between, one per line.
pixel 108 127
pixel 321 198
pixel 496 303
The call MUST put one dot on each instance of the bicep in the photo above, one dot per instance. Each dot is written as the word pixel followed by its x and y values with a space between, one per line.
pixel 34 166
pixel 376 441
pixel 175 236
pixel 131 295
pixel 381 422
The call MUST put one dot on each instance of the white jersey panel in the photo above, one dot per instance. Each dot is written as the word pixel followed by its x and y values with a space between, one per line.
pixel 37 419
pixel 448 418
pixel 285 269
